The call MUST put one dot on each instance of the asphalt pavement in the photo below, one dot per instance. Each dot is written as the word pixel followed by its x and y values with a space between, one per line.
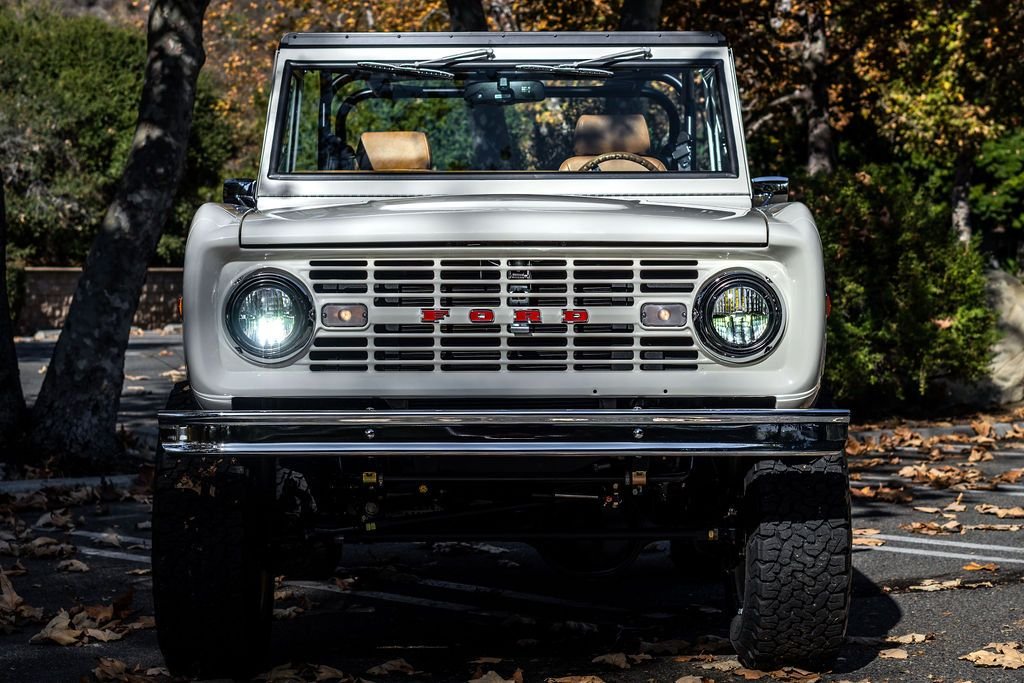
pixel 454 613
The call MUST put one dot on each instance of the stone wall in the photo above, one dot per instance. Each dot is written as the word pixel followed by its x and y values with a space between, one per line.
pixel 48 293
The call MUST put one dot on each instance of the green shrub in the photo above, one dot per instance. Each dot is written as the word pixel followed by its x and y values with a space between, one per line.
pixel 69 94
pixel 908 300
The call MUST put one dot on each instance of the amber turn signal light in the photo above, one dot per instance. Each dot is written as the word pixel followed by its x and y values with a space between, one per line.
pixel 344 315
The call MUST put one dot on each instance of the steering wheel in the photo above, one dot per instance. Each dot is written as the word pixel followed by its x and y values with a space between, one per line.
pixel 594 164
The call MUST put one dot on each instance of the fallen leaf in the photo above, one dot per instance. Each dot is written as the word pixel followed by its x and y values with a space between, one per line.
pixel 749 674
pixel 975 567
pixel 58 630
pixel 102 635
pixel 487 660
pixel 982 427
pixel 866 532
pixel 109 538
pixel 72 566
pixel 868 541
pixel 617 660
pixel 993 527
pixel 722 665
pixel 929 510
pixel 1014 512
pixel 933 528
pixel 931 585
pixel 391 667
pixel 288 612
pixel 1010 476
pixel 940 476
pixel 791 674
pixel 574 679
pixel 57 519
pixel 893 653
pixel 980 455
pixel 494 677
pixel 693 679
pixel 883 493
pixel 1006 656
pixel 910 638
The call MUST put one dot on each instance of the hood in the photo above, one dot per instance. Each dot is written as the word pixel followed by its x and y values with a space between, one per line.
pixel 501 220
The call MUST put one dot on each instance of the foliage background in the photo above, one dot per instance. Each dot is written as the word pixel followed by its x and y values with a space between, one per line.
pixel 921 103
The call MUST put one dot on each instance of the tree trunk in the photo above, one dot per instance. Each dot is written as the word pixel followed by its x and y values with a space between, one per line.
pixel 640 15
pixel 961 197
pixel 75 417
pixel 467 15
pixel 12 401
pixel 821 152
pixel 492 146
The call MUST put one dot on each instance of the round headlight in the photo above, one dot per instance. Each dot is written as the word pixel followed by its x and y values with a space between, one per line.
pixel 270 316
pixel 738 314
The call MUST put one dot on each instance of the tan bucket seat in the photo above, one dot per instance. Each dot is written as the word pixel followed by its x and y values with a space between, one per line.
pixel 400 150
pixel 598 134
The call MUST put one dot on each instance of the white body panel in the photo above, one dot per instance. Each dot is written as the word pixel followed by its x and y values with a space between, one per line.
pixel 471 216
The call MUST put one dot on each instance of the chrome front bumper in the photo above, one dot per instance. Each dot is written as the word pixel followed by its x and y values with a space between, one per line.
pixel 523 433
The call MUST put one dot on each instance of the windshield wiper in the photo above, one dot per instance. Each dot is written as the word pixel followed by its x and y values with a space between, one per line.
pixel 567 69
pixel 406 69
pixel 486 53
pixel 642 52
pixel 585 67
pixel 420 68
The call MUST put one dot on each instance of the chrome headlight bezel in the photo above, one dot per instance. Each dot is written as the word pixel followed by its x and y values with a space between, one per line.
pixel 300 337
pixel 705 300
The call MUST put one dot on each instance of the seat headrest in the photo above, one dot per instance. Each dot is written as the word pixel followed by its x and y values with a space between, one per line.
pixel 601 133
pixel 400 150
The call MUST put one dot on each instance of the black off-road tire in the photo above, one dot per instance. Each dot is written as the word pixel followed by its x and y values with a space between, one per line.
pixel 212 588
pixel 795 580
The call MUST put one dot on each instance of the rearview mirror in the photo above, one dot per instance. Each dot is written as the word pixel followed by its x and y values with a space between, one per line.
pixel 503 92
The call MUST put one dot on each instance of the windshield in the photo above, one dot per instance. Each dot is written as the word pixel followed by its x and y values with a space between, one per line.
pixel 388 118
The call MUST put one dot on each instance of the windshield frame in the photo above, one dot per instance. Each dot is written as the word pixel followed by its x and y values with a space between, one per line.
pixel 734 181
pixel 662 66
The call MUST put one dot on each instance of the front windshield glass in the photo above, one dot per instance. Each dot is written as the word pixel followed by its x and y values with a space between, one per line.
pixel 367 118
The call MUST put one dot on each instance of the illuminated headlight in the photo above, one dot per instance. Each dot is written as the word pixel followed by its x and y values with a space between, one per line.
pixel 738 315
pixel 269 315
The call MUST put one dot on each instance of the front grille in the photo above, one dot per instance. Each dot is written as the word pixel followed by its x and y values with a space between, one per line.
pixel 611 291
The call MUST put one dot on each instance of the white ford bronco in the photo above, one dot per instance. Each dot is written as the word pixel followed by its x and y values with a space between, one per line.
pixel 514 287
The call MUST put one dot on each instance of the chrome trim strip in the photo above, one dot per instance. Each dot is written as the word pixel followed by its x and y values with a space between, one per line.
pixel 506 448
pixel 575 417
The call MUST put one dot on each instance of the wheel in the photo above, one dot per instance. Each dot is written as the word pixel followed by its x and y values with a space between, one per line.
pixel 212 590
pixel 795 579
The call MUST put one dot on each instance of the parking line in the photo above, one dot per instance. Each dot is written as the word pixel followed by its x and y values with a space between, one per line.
pixel 936 553
pixel 114 555
pixel 955 544
pixel 100 536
